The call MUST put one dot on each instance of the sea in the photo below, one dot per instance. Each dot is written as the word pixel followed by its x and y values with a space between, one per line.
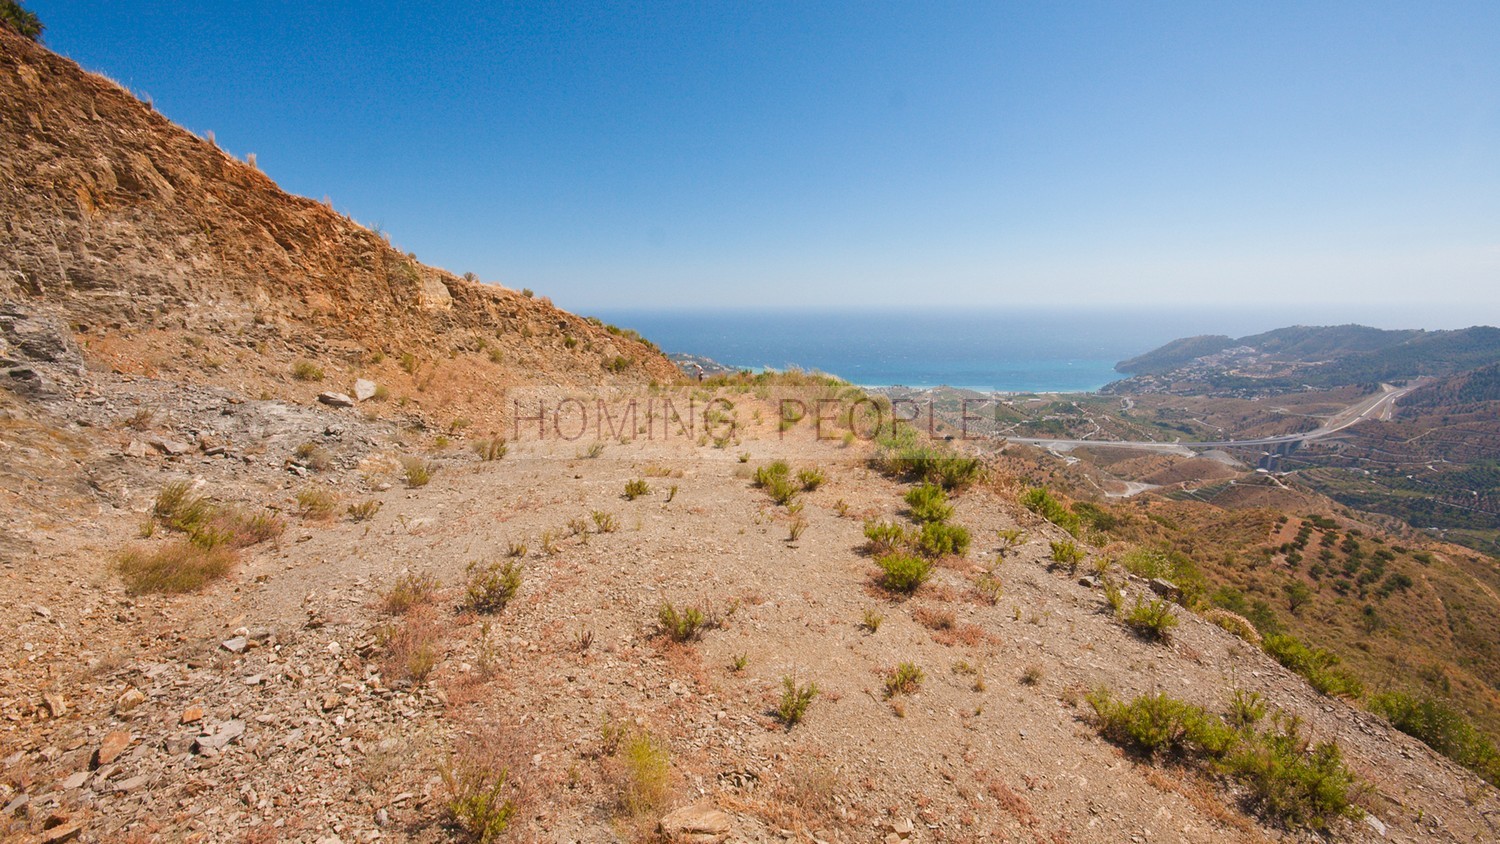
pixel 1010 350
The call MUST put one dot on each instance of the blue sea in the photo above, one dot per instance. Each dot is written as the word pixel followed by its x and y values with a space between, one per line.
pixel 1008 350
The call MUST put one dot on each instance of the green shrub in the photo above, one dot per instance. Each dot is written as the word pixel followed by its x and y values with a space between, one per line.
pixel 1038 500
pixel 904 679
pixel 871 619
pixel 903 453
pixel 490 586
pixel 929 503
pixel 636 488
pixel 681 625
pixel 1292 782
pixel 179 509
pixel 475 802
pixel 795 700
pixel 903 572
pixel 1442 728
pixel 18 19
pixel 1068 553
pixel 1318 666
pixel 1152 620
pixel 776 479
pixel 645 774
pixel 811 479
pixel 885 537
pixel 939 540
pixel 1288 781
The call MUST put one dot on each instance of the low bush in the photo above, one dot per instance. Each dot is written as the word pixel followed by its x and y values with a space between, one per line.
pixel 1067 553
pixel 1234 623
pixel 636 488
pixel 476 803
pixel 939 539
pixel 1318 666
pixel 491 448
pixel 416 471
pixel 1442 728
pixel 304 370
pixel 364 510
pixel 811 479
pixel 904 679
pixel 795 700
pixel 410 590
pixel 316 504
pixel 1152 619
pixel 490 586
pixel 903 572
pixel 929 503
pixel 682 625
pixel 182 566
pixel 885 537
pixel 1288 780
pixel 1038 500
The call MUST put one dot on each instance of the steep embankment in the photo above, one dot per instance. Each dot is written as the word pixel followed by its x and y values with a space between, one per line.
pixel 131 227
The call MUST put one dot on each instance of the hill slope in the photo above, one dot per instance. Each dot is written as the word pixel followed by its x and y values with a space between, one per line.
pixel 130 224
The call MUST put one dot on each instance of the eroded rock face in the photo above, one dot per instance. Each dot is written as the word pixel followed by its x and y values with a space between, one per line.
pixel 29 336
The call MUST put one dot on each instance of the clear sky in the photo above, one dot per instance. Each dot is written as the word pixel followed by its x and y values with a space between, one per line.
pixel 817 154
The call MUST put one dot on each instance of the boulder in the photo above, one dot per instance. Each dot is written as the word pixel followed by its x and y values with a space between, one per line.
pixel 700 823
pixel 364 390
pixel 335 400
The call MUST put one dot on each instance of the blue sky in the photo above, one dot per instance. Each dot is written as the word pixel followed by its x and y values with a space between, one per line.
pixel 879 154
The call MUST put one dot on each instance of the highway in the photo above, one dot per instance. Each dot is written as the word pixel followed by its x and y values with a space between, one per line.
pixel 1378 406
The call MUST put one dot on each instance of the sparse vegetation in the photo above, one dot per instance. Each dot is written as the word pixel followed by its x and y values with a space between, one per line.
pixel 642 771
pixel 181 566
pixel 410 590
pixel 811 478
pixel 775 478
pixel 636 488
pixel 364 510
pixel 905 679
pixel 871 619
pixel 903 573
pixel 491 448
pixel 1067 553
pixel 490 586
pixel 795 700
pixel 417 472
pixel 476 802
pixel 605 522
pixel 1289 780
pixel 1152 619
pixel 306 370
pixel 885 537
pixel 316 503
pixel 1442 728
pixel 1320 667
pixel 1038 500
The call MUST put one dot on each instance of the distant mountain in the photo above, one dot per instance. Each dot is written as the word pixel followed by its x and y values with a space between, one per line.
pixel 1317 356
pixel 1175 354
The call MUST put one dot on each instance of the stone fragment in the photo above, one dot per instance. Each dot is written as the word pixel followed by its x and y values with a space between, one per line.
pixel 62 832
pixel 170 446
pixel 331 702
pixel 114 744
pixel 700 823
pixel 236 645
pixel 76 780
pixel 56 705
pixel 219 739
pixel 130 700
pixel 192 715
pixel 364 389
pixel 335 400
pixel 137 449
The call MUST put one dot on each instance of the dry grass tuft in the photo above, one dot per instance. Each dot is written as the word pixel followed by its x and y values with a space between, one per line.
pixel 182 566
